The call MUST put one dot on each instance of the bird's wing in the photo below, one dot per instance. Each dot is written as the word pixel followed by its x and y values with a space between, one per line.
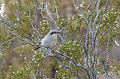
pixel 60 39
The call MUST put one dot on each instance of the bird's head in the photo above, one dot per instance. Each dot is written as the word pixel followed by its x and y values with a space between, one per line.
pixel 59 35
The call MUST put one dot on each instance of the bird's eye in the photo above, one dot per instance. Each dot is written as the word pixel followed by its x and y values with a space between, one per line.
pixel 52 33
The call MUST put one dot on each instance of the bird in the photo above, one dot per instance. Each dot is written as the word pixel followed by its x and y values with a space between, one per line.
pixel 53 39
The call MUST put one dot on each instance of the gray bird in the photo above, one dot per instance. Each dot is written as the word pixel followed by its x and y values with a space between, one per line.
pixel 53 39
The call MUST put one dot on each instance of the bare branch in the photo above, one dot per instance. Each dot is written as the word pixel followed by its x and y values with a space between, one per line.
pixel 48 12
pixel 8 41
pixel 38 16
pixel 26 41
pixel 101 19
pixel 90 4
pixel 97 5
pixel 82 12
pixel 34 30
pixel 50 16
pixel 117 43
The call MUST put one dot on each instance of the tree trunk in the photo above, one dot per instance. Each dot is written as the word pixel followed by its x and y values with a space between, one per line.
pixel 53 73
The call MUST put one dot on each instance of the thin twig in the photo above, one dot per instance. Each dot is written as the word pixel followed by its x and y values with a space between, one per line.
pixel 117 43
pixel 83 13
pixel 8 41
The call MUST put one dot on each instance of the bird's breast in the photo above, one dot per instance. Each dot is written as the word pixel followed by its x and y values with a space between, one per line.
pixel 49 41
